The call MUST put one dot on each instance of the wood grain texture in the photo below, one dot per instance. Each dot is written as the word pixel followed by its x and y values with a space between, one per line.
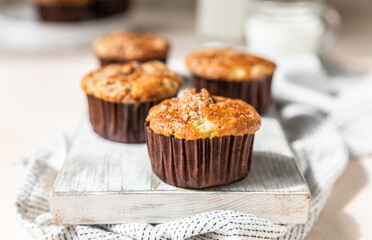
pixel 107 182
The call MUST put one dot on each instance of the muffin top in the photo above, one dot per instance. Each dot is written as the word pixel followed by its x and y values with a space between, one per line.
pixel 200 115
pixel 63 2
pixel 228 64
pixel 130 46
pixel 133 82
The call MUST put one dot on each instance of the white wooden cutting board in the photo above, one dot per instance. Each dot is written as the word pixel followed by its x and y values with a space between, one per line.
pixel 107 182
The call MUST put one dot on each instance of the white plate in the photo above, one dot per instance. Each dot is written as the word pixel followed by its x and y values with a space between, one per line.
pixel 20 29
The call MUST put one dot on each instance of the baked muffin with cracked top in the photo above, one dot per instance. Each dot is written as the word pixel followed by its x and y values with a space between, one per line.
pixel 120 96
pixel 200 140
pixel 64 10
pixel 232 73
pixel 121 47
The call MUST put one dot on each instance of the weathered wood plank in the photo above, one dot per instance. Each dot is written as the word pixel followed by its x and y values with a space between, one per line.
pixel 106 182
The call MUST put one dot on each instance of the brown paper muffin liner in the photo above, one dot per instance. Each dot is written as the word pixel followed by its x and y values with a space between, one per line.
pixel 105 8
pixel 255 92
pixel 199 163
pixel 64 13
pixel 118 121
pixel 105 61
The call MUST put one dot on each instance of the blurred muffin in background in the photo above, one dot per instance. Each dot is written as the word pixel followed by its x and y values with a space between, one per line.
pixel 64 10
pixel 235 74
pixel 105 8
pixel 121 47
pixel 120 96
pixel 78 10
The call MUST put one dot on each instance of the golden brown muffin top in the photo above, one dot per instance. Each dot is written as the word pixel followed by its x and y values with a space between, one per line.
pixel 131 46
pixel 228 64
pixel 63 2
pixel 133 82
pixel 200 115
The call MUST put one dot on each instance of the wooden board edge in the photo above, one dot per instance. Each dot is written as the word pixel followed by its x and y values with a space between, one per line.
pixel 298 214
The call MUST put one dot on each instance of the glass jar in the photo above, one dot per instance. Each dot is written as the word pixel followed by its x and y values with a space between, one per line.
pixel 290 27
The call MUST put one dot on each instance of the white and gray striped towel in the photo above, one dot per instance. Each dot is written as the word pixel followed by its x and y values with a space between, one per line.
pixel 325 118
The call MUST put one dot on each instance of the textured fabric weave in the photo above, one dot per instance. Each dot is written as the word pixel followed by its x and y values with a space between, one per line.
pixel 312 106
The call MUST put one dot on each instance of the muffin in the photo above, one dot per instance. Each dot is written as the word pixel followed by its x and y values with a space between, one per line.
pixel 231 73
pixel 120 96
pixel 122 47
pixel 199 140
pixel 64 10
pixel 105 8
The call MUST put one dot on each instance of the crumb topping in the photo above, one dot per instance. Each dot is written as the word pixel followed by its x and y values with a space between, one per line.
pixel 228 64
pixel 133 82
pixel 131 46
pixel 200 115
